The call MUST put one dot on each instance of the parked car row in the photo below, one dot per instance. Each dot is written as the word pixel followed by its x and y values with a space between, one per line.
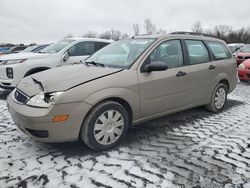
pixel 15 67
pixel 10 50
pixel 120 85
pixel 234 47
pixel 242 56
pixel 35 48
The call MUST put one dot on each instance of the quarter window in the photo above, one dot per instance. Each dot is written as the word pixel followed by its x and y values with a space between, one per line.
pixel 169 52
pixel 197 52
pixel 82 49
pixel 219 50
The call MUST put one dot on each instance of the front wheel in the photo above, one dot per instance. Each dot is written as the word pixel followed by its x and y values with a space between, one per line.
pixel 218 99
pixel 105 126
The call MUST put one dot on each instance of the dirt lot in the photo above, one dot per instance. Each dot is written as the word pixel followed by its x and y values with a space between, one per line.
pixel 188 149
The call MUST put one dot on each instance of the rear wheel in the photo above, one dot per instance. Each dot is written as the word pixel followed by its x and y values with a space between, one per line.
pixel 218 99
pixel 105 126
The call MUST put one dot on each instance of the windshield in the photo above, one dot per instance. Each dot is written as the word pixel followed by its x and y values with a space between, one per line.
pixel 54 48
pixel 29 49
pixel 121 54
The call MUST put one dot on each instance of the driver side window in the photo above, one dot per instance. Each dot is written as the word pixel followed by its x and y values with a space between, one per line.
pixel 169 52
pixel 82 49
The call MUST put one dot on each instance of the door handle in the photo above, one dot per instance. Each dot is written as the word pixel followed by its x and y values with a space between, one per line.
pixel 211 67
pixel 180 73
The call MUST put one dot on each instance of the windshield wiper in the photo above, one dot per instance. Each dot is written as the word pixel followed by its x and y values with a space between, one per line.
pixel 94 63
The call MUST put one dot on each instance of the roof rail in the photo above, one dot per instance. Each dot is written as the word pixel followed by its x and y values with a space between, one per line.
pixel 190 33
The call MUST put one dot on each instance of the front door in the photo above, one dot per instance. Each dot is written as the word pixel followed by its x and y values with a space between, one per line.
pixel 80 51
pixel 163 91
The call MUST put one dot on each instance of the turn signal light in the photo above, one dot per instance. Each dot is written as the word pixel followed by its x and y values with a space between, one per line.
pixel 61 118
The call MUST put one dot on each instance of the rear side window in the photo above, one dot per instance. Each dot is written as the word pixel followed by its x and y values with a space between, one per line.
pixel 197 52
pixel 219 50
pixel 99 45
pixel 82 49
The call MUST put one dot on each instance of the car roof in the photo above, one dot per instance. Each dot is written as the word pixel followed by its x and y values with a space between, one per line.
pixel 90 39
pixel 181 36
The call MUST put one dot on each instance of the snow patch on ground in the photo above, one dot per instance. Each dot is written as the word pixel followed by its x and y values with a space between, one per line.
pixel 191 148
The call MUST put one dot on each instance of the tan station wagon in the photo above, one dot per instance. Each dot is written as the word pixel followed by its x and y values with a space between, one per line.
pixel 123 84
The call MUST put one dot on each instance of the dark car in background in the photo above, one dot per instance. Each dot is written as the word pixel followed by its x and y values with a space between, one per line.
pixel 14 49
pixel 3 49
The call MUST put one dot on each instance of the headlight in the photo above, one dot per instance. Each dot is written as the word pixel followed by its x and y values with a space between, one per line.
pixel 44 100
pixel 11 62
pixel 241 66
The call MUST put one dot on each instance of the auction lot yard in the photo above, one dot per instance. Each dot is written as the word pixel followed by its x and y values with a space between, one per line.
pixel 194 148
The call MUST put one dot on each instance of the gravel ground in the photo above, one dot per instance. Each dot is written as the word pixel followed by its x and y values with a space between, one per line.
pixel 193 148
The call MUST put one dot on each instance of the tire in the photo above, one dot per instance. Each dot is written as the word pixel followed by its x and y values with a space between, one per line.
pixel 244 81
pixel 105 126
pixel 219 98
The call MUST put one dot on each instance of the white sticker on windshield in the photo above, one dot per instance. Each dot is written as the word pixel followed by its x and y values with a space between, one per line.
pixel 139 42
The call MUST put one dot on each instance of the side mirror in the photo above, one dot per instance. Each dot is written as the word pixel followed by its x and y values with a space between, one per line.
pixel 65 56
pixel 155 66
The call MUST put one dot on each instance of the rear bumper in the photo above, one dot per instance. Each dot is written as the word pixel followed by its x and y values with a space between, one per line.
pixel 37 122
pixel 244 74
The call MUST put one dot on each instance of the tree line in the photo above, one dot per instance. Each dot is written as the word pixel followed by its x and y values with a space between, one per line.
pixel 148 28
pixel 224 32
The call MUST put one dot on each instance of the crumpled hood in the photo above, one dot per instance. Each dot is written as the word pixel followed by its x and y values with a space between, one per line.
pixel 28 55
pixel 62 78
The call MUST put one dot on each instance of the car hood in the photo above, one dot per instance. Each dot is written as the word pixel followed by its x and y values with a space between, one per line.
pixel 243 54
pixel 62 78
pixel 28 55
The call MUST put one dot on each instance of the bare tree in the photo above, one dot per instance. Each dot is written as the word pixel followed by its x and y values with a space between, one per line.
pixel 68 36
pixel 91 34
pixel 115 34
pixel 106 35
pixel 125 36
pixel 149 26
pixel 197 27
pixel 136 29
pixel 222 30
pixel 161 31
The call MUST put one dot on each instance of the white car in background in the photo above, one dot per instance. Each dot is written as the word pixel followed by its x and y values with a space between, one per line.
pixel 15 67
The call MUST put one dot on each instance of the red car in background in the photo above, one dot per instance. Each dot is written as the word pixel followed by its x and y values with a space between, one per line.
pixel 244 71
pixel 243 54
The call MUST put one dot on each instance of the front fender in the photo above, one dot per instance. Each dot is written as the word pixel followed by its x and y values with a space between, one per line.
pixel 129 96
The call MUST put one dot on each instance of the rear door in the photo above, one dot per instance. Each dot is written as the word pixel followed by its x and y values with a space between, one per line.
pixel 200 69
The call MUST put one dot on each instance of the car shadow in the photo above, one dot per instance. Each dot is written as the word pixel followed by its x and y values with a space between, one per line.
pixel 144 130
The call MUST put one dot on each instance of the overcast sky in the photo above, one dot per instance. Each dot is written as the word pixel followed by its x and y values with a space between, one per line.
pixel 25 21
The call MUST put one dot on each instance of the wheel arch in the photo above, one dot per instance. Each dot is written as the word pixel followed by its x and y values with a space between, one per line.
pixel 226 83
pixel 36 70
pixel 119 100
